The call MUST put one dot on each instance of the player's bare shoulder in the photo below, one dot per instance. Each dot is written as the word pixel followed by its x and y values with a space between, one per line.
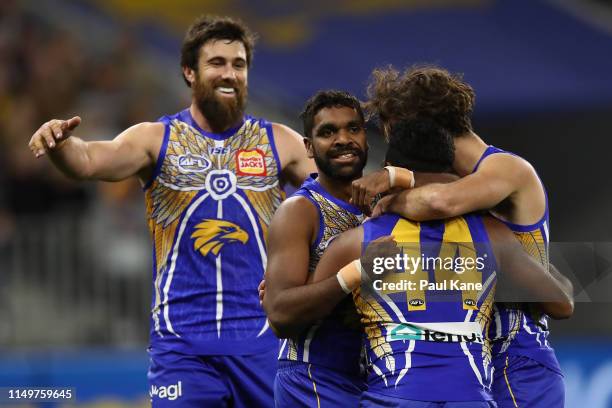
pixel 147 135
pixel 294 161
pixel 529 196
pixel 510 165
pixel 297 208
pixel 146 138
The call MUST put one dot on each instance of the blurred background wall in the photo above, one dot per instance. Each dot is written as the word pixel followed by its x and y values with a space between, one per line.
pixel 75 273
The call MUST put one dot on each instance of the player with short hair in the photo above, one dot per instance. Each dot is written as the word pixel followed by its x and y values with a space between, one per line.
pixel 319 364
pixel 491 178
pixel 426 345
pixel 212 178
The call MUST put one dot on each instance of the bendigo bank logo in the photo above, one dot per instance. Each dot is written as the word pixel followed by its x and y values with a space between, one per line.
pixel 211 235
pixel 251 163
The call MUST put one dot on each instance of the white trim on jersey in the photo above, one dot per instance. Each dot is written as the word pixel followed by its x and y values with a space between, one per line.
pixel 380 374
pixel 468 317
pixel 219 313
pixel 260 245
pixel 309 337
pixel 247 209
pixel 282 348
pixel 408 354
pixel 528 330
pixel 173 259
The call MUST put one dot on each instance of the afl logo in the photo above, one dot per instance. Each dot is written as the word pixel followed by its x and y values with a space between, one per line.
pixel 251 163
pixel 416 302
pixel 191 163
pixel 469 302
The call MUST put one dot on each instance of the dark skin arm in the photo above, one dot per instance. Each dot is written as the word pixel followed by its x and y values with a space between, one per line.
pixel 524 272
pixel 288 300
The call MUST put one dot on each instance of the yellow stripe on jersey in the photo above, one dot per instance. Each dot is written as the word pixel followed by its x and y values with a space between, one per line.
pixel 457 242
pixel 408 236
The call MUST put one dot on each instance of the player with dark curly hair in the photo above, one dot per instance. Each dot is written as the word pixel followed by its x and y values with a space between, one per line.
pixel 491 179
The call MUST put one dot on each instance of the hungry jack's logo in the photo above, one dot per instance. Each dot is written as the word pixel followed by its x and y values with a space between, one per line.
pixel 251 163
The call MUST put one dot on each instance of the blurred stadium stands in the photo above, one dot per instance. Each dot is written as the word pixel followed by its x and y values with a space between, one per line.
pixel 74 257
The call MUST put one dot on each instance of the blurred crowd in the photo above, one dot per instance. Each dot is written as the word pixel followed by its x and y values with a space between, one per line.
pixel 48 71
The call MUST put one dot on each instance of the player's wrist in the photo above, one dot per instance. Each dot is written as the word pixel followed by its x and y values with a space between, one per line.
pixel 349 276
pixel 400 177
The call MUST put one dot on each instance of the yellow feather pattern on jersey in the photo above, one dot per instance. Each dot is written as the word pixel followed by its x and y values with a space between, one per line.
pixel 373 315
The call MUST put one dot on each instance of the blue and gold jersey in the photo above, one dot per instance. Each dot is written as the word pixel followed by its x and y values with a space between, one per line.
pixel 519 329
pixel 334 342
pixel 426 342
pixel 209 205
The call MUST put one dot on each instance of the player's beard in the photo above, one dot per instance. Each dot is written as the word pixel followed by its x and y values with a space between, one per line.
pixel 342 172
pixel 220 113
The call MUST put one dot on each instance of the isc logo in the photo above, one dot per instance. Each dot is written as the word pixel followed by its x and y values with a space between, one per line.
pixel 251 163
pixel 218 150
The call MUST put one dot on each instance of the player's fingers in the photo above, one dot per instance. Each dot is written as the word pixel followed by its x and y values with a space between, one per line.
pixel 355 193
pixel 70 124
pixel 46 137
pixel 361 202
pixel 37 147
pixel 385 238
pixel 55 127
pixel 381 206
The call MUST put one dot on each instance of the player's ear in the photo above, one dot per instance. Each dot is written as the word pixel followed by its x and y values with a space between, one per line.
pixel 308 145
pixel 189 75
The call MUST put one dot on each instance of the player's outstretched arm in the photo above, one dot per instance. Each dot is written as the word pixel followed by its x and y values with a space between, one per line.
pixel 133 152
pixel 497 179
pixel 295 164
pixel 523 272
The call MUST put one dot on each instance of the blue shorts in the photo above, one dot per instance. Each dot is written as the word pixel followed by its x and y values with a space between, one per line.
pixel 179 380
pixel 525 383
pixel 300 384
pixel 375 400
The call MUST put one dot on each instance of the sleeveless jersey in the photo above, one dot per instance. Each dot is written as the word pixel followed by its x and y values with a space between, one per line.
pixel 209 205
pixel 427 343
pixel 518 329
pixel 335 342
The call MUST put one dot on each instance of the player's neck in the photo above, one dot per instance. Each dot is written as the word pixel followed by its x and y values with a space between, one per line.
pixel 200 119
pixel 340 189
pixel 468 150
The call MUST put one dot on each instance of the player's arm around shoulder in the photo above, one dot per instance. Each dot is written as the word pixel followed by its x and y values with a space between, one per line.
pixel 499 177
pixel 522 271
pixel 291 231
pixel 296 166
pixel 132 153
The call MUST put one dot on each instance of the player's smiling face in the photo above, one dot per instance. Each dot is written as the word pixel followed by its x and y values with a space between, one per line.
pixel 338 144
pixel 220 83
pixel 223 67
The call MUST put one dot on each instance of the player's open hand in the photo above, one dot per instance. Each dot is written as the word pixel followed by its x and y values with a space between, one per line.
pixel 50 135
pixel 367 187
pixel 382 247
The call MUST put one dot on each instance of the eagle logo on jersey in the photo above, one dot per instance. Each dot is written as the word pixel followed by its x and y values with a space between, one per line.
pixel 211 235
